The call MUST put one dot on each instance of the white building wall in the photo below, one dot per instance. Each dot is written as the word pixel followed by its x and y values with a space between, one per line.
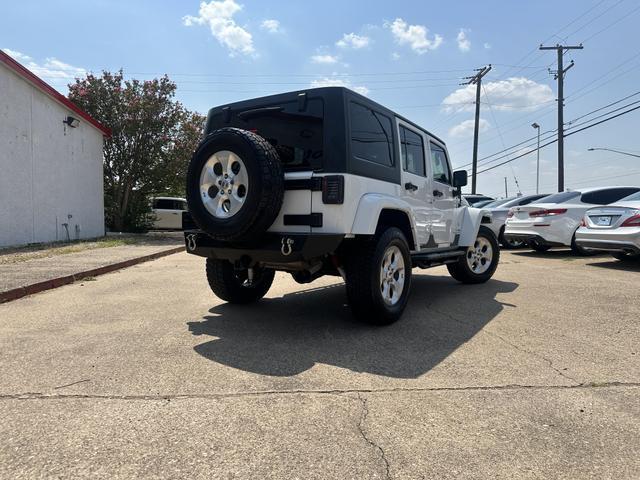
pixel 48 170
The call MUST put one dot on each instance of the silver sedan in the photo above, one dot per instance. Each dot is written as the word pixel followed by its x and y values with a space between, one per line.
pixel 614 228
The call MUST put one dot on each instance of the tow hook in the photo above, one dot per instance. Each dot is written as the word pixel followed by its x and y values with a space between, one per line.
pixel 287 246
pixel 191 242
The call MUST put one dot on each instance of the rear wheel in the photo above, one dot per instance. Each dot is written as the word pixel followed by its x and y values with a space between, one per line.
pixel 626 257
pixel 233 285
pixel 480 261
pixel 378 275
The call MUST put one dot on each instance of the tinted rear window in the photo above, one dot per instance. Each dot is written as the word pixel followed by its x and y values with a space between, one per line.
pixel 630 198
pixel 605 197
pixel 371 135
pixel 558 197
pixel 296 135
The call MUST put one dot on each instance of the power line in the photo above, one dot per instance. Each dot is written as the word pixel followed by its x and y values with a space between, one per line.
pixel 572 132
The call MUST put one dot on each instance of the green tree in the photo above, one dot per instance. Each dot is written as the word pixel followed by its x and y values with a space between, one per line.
pixel 153 137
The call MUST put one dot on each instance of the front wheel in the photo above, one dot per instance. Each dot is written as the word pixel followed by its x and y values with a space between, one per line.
pixel 233 285
pixel 378 275
pixel 480 261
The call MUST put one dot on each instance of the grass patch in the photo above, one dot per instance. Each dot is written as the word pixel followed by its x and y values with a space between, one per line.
pixel 44 250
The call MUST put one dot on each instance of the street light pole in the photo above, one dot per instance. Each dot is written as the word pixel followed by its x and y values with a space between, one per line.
pixel 537 127
pixel 616 151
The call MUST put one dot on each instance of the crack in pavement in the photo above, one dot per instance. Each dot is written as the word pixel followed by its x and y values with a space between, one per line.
pixel 212 396
pixel 363 418
pixel 511 344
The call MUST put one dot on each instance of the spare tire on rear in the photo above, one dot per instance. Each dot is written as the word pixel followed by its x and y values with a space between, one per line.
pixel 235 185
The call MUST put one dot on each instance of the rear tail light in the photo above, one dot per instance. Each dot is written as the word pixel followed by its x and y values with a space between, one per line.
pixel 583 222
pixel 510 213
pixel 632 221
pixel 547 212
pixel 333 189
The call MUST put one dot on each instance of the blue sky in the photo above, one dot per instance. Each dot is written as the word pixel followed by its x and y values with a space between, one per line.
pixel 409 56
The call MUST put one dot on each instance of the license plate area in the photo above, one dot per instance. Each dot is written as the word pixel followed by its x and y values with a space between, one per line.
pixel 602 221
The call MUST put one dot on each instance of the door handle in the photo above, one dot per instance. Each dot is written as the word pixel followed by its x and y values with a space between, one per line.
pixel 410 186
pixel 437 193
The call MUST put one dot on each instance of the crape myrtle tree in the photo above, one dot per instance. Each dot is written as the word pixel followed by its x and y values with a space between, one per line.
pixel 153 138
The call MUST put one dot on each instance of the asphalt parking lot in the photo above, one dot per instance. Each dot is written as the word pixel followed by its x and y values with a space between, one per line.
pixel 144 373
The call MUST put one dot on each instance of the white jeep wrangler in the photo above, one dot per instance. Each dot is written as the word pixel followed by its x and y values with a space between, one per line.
pixel 327 182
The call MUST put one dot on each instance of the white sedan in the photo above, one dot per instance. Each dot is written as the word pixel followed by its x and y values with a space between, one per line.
pixel 614 228
pixel 553 220
pixel 167 212
pixel 500 210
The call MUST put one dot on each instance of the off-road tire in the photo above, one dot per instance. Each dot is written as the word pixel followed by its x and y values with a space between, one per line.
pixel 227 285
pixel 538 247
pixel 461 271
pixel 626 257
pixel 578 250
pixel 362 264
pixel 264 195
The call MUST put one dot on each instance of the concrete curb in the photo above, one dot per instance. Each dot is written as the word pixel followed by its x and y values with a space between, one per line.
pixel 20 292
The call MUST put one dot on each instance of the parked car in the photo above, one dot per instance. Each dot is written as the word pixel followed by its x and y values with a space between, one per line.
pixel 552 221
pixel 328 182
pixel 614 228
pixel 499 211
pixel 473 198
pixel 482 203
pixel 167 212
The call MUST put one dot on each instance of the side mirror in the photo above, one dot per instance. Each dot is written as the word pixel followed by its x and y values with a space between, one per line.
pixel 459 178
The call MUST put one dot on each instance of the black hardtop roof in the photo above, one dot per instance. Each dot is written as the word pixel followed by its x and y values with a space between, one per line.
pixel 327 92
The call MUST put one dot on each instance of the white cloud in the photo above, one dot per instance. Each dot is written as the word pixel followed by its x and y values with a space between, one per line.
pixel 50 70
pixel 395 56
pixel 416 36
pixel 464 44
pixel 465 129
pixel 351 40
pixel 515 92
pixel 326 59
pixel 270 25
pixel 218 15
pixel 487 46
pixel 338 82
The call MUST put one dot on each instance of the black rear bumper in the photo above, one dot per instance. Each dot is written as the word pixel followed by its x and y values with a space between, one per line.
pixel 273 248
pixel 529 238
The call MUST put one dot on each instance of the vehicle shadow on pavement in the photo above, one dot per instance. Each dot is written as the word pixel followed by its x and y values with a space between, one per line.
pixel 288 335
pixel 617 265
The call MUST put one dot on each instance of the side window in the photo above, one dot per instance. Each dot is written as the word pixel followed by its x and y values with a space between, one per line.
pixel 439 164
pixel 605 197
pixel 179 205
pixel 163 204
pixel 371 137
pixel 412 149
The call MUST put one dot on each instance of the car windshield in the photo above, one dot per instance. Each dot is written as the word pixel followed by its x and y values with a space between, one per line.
pixel 631 198
pixel 558 197
pixel 497 203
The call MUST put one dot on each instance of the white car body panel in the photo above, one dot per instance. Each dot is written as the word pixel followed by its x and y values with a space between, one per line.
pixel 556 229
pixel 168 218
pixel 612 237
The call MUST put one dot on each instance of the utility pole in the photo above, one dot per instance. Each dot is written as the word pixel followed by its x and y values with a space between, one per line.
pixel 477 81
pixel 506 190
pixel 559 75
pixel 537 127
